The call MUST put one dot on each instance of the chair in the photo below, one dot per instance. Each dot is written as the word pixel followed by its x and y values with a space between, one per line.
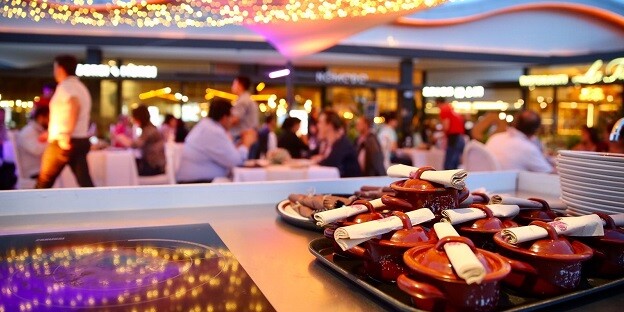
pixel 165 178
pixel 23 180
pixel 477 158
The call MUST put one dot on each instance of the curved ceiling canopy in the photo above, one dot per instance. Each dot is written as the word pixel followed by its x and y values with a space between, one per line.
pixel 295 28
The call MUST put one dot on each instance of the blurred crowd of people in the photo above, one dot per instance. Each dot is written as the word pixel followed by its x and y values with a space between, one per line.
pixel 59 130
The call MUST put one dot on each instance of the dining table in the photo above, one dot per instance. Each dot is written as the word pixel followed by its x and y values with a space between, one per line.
pixel 295 171
pixel 424 157
pixel 108 167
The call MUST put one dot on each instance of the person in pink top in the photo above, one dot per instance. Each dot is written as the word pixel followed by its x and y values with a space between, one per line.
pixel 453 126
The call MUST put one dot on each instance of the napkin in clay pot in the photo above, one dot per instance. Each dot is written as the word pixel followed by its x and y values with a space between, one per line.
pixel 524 203
pixel 448 178
pixel 306 205
pixel 465 263
pixel 461 215
pixel 326 217
pixel 589 225
pixel 350 236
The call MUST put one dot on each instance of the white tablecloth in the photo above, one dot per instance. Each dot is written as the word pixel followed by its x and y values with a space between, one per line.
pixel 107 168
pixel 277 172
pixel 433 157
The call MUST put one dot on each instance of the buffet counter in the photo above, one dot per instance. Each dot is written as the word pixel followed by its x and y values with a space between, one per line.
pixel 274 253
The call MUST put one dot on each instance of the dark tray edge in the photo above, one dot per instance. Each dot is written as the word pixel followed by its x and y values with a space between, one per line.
pixel 320 243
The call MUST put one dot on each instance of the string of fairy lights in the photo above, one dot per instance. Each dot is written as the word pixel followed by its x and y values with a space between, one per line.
pixel 200 13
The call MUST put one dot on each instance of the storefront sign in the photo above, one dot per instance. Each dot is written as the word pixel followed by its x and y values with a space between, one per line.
pixel 346 78
pixel 125 71
pixel 471 92
pixel 597 73
pixel 544 80
pixel 613 71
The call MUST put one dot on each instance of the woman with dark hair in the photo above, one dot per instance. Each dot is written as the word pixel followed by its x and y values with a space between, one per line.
pixel 289 139
pixel 338 151
pixel 590 141
pixel 151 144
pixel 168 128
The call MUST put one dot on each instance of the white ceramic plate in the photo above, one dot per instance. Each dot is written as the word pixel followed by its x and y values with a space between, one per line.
pixel 589 194
pixel 593 188
pixel 573 178
pixel 613 157
pixel 606 173
pixel 590 206
pixel 591 164
pixel 581 209
pixel 599 177
pixel 591 199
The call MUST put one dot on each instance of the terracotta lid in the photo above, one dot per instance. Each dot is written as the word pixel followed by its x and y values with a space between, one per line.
pixel 489 224
pixel 612 233
pixel 407 236
pixel 553 247
pixel 414 183
pixel 432 261
pixel 372 214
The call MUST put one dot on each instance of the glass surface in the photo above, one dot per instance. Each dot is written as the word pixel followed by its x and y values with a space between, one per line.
pixel 174 268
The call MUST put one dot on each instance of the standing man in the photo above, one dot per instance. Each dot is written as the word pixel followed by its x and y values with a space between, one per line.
pixel 245 110
pixel 453 126
pixel 68 139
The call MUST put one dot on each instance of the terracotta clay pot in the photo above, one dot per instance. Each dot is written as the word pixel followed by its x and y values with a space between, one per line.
pixel 545 214
pixel 545 267
pixel 412 194
pixel 383 257
pixel 328 232
pixel 608 259
pixel 481 231
pixel 435 286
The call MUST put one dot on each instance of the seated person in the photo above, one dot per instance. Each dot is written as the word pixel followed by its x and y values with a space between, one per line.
pixel 151 144
pixel 370 155
pixel 267 139
pixel 32 141
pixel 122 127
pixel 515 149
pixel 590 141
pixel 209 151
pixel 338 151
pixel 289 140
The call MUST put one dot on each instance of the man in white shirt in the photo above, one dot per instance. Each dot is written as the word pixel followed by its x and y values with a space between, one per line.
pixel 68 137
pixel 209 152
pixel 515 149
pixel 32 141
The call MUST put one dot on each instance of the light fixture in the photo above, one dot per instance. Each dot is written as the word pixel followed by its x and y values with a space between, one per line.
pixel 279 73
pixel 202 13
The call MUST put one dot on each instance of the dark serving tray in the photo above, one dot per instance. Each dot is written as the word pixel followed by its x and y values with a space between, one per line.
pixel 352 269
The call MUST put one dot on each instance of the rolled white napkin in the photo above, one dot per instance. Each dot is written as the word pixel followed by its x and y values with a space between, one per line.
pixel 449 178
pixel 618 219
pixel 589 225
pixel 465 263
pixel 510 200
pixel 461 215
pixel 329 216
pixel 349 236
